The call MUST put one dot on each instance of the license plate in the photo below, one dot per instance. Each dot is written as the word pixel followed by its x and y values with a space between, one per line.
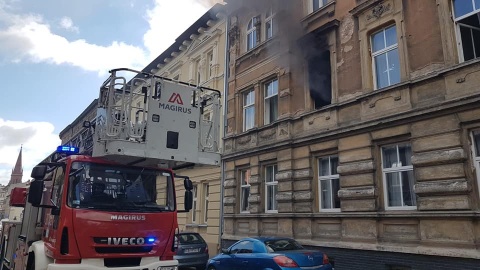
pixel 191 250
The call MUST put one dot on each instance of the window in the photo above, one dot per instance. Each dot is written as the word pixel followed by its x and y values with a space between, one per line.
pixel 271 101
pixel 248 110
pixel 197 72
pixel 328 183
pixel 476 153
pixel 210 64
pixel 271 189
pixel 252 33
pixel 244 190
pixel 206 192
pixel 269 24
pixel 194 206
pixel 385 59
pixel 467 21
pixel 320 79
pixel 317 4
pixel 59 180
pixel 398 180
pixel 245 246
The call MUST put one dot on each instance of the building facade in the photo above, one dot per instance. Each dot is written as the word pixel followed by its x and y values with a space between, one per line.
pixel 354 127
pixel 198 57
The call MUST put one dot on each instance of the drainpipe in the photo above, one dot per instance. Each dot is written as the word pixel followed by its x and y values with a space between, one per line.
pixel 225 95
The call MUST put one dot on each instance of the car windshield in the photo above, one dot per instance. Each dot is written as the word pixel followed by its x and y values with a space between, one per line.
pixel 117 188
pixel 282 245
pixel 190 238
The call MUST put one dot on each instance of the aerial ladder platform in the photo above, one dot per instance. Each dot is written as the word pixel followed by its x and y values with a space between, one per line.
pixel 150 120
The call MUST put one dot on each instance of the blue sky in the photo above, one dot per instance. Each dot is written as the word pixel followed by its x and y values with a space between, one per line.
pixel 54 54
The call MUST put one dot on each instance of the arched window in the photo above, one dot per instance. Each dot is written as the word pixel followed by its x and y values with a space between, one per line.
pixel 252 33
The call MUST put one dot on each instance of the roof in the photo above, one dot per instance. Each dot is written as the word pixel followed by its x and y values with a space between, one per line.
pixel 210 15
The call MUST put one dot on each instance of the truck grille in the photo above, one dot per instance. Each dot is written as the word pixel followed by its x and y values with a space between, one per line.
pixel 103 250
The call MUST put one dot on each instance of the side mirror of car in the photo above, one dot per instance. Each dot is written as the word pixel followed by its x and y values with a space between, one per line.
pixel 225 251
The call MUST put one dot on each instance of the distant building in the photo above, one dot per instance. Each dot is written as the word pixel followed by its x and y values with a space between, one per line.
pixel 15 181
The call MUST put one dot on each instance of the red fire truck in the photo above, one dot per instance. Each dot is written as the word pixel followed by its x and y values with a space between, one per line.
pixel 117 208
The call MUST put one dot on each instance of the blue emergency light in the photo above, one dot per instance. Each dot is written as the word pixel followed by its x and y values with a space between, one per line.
pixel 67 149
pixel 150 240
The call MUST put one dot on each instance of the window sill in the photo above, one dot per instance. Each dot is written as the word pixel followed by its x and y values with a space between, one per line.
pixel 254 51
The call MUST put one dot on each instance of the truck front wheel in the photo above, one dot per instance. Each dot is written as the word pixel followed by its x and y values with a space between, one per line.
pixel 31 261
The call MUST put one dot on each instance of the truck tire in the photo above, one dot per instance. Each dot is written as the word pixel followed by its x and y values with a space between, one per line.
pixel 31 261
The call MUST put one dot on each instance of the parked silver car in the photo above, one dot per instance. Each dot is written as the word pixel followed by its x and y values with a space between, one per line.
pixel 192 251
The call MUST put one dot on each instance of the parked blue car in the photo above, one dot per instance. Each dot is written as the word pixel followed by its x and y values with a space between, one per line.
pixel 272 253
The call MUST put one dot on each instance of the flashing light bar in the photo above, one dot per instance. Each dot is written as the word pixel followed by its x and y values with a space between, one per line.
pixel 67 149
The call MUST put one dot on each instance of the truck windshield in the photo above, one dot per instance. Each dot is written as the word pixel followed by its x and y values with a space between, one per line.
pixel 112 188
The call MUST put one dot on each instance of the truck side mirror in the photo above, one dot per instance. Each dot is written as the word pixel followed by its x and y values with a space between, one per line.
pixel 188 200
pixel 35 192
pixel 39 172
pixel 188 184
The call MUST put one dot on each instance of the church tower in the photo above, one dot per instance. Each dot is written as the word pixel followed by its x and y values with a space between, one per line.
pixel 17 172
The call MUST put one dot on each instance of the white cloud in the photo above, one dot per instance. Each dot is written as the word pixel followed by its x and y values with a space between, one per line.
pixel 28 37
pixel 67 24
pixel 167 23
pixel 38 140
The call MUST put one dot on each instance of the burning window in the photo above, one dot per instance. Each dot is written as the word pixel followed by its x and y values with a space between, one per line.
pixel 467 22
pixel 320 79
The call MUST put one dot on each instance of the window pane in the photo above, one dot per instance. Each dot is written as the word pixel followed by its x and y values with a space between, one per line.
pixel 378 41
pixel 326 194
pixel 273 108
pixel 407 189
pixel 477 4
pixel 394 189
pixel 381 70
pixel 271 201
pixel 269 29
pixel 335 189
pixel 389 156
pixel 269 174
pixel 249 117
pixel 246 177
pixel 245 195
pixel 462 7
pixel 316 4
pixel 476 138
pixel 333 165
pixel 394 66
pixel 467 44
pixel 391 36
pixel 323 170
pixel 405 152
pixel 476 42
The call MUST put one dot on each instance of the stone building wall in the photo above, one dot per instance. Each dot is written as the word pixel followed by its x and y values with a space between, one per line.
pixel 432 112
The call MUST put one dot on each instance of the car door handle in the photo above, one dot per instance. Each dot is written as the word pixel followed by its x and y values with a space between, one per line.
pixel 244 262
